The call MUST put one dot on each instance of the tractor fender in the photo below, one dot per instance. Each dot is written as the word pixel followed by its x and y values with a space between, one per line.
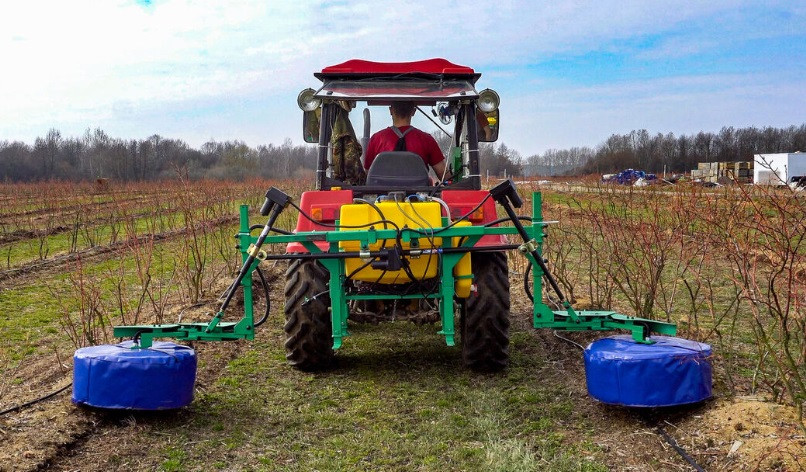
pixel 321 205
pixel 461 202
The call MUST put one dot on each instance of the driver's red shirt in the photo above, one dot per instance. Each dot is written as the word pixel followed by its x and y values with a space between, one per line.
pixel 418 142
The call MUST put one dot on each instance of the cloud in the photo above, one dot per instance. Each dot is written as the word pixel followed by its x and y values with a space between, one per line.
pixel 564 116
pixel 206 68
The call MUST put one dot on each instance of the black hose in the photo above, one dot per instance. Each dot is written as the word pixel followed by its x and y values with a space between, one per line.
pixel 374 207
pixel 527 287
pixel 360 268
pixel 276 230
pixel 463 217
pixel 267 294
pixel 383 217
pixel 328 225
pixel 32 402
pixel 501 220
pixel 430 238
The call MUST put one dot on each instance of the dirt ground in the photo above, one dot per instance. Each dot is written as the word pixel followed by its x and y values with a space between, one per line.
pixel 722 434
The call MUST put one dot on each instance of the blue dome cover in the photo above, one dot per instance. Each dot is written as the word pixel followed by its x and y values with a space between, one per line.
pixel 672 371
pixel 116 376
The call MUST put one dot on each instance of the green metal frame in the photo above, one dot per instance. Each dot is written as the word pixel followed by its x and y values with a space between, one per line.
pixel 334 261
pixel 215 329
pixel 571 320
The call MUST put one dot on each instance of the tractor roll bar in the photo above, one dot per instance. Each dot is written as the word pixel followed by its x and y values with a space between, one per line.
pixel 325 132
pixel 472 146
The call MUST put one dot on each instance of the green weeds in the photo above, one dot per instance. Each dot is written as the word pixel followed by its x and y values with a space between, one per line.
pixel 398 400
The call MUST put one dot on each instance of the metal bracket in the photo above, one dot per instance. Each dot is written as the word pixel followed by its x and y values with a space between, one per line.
pixel 528 247
pixel 257 253
pixel 640 328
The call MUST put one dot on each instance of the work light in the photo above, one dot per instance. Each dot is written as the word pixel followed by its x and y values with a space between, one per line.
pixel 307 101
pixel 488 100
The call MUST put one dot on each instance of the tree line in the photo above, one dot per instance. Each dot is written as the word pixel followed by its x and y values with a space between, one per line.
pixel 97 155
pixel 639 149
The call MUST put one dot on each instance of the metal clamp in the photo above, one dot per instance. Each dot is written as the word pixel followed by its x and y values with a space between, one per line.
pixel 364 254
pixel 257 253
pixel 528 247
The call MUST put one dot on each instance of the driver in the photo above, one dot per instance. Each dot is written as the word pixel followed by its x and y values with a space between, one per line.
pixel 402 136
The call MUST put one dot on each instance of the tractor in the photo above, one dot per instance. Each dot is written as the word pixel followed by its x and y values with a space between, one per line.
pixel 403 280
pixel 395 242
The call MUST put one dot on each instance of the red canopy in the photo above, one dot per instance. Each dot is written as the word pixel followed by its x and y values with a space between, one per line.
pixel 428 66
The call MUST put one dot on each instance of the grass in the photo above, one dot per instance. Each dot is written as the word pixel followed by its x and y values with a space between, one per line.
pixel 398 400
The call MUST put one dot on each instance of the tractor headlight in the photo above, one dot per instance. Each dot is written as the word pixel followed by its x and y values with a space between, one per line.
pixel 307 101
pixel 488 101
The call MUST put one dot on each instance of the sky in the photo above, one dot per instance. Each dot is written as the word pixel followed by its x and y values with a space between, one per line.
pixel 569 73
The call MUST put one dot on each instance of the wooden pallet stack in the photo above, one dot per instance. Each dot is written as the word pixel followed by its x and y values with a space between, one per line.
pixel 724 172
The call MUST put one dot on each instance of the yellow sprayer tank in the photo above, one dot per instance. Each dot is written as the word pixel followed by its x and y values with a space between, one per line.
pixel 421 215
pixel 462 271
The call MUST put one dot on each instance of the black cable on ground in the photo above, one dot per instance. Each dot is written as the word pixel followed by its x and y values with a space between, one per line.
pixel 682 452
pixel 32 402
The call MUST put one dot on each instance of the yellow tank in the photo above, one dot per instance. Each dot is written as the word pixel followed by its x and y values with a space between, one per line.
pixel 462 271
pixel 421 215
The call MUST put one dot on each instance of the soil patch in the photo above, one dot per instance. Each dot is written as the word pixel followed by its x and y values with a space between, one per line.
pixel 745 433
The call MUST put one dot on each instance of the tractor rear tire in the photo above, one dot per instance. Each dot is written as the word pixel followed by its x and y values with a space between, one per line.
pixel 485 317
pixel 309 341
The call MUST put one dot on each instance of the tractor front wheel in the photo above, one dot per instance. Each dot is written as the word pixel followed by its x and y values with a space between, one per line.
pixel 485 317
pixel 309 342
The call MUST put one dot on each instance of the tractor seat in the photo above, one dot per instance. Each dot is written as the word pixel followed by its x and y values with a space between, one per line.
pixel 398 168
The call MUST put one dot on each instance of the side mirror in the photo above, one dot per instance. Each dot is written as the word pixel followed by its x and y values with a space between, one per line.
pixel 488 125
pixel 310 125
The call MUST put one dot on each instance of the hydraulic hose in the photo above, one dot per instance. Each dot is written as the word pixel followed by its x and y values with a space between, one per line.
pixel 267 294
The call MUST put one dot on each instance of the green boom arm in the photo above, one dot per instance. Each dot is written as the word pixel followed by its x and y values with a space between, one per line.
pixel 333 260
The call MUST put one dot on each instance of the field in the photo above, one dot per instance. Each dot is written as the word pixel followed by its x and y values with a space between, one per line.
pixel 727 265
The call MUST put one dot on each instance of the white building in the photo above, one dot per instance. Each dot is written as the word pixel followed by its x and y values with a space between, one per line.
pixel 779 169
